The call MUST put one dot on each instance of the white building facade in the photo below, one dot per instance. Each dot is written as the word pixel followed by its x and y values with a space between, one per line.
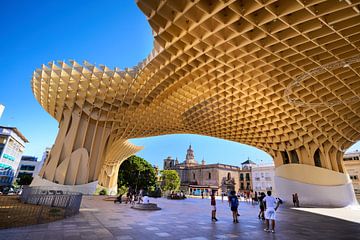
pixel 12 146
pixel 263 177
pixel 29 166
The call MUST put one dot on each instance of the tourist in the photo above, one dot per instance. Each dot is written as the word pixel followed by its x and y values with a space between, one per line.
pixel 229 198
pixel 133 199
pixel 294 200
pixel 252 196
pixel 118 199
pixel 297 203
pixel 261 206
pixel 213 205
pixel 234 203
pixel 222 197
pixel 271 205
pixel 202 194
pixel 248 196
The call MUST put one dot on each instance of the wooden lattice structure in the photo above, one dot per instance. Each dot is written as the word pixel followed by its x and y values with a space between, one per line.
pixel 279 75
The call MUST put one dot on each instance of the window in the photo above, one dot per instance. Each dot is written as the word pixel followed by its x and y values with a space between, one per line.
pixel 193 175
pixel 209 175
pixel 247 176
pixel 294 156
pixel 24 174
pixel 229 176
pixel 27 167
pixel 241 177
pixel 317 160
pixel 285 157
pixel 242 186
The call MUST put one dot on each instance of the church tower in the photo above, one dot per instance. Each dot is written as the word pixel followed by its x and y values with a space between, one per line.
pixel 190 159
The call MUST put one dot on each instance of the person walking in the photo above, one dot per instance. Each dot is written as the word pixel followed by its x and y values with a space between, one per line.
pixel 118 199
pixel 234 203
pixel 271 205
pixel 213 206
pixel 297 203
pixel 294 200
pixel 261 206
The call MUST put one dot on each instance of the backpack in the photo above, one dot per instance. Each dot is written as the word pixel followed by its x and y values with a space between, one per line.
pixel 234 202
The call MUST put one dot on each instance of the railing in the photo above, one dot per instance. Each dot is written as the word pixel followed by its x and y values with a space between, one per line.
pixel 37 205
pixel 70 201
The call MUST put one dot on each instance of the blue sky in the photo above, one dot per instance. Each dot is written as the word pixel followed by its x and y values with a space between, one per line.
pixel 113 33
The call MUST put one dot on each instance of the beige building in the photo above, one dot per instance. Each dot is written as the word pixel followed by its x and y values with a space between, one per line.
pixel 278 75
pixel 197 178
pixel 352 165
pixel 263 177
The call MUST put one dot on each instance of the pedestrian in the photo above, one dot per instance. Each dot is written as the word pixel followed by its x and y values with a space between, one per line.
pixel 118 199
pixel 252 195
pixel 222 197
pixel 229 198
pixel 297 203
pixel 127 197
pixel 202 194
pixel 271 205
pixel 213 206
pixel 261 206
pixel 234 202
pixel 294 200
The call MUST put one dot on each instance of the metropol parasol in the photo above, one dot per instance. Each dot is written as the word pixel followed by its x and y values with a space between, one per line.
pixel 282 76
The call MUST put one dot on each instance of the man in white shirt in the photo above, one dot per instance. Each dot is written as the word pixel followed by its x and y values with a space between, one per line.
pixel 271 205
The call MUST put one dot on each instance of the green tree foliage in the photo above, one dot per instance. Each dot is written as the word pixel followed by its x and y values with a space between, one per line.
pixel 170 180
pixel 136 173
pixel 25 180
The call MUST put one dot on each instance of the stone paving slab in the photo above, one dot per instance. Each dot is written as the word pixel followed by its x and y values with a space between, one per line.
pixel 186 219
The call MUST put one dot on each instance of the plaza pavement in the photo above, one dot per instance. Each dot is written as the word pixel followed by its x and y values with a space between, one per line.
pixel 183 219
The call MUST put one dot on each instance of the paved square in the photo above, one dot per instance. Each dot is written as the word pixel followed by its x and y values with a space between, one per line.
pixel 184 219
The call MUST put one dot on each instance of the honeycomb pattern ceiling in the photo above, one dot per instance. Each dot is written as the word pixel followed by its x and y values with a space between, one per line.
pixel 274 74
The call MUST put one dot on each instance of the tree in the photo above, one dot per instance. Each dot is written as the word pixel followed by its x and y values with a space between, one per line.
pixel 25 179
pixel 136 173
pixel 170 180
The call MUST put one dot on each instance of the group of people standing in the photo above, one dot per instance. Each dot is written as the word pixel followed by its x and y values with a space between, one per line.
pixel 131 197
pixel 268 207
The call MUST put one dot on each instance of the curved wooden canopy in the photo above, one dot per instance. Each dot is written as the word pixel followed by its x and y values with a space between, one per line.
pixel 275 74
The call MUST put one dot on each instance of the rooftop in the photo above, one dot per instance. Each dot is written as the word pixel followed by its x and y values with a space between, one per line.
pixel 17 132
